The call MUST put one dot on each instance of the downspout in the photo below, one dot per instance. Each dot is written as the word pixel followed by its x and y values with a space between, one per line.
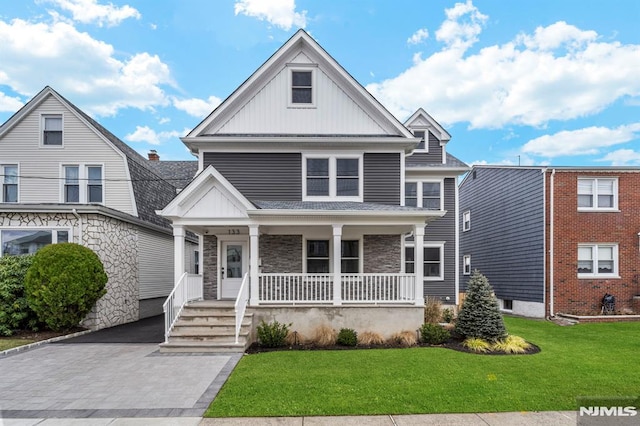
pixel 551 243
pixel 75 213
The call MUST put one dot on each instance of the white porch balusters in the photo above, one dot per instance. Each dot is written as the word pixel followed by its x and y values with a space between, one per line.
pixel 178 251
pixel 337 262
pixel 253 265
pixel 418 251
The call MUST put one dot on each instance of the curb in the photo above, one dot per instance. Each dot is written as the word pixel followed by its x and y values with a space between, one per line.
pixel 34 345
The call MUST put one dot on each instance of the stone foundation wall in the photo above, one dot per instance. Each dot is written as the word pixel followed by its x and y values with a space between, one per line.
pixel 209 266
pixel 382 254
pixel 281 253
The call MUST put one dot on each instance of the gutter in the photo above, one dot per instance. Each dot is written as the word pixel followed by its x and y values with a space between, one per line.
pixel 551 243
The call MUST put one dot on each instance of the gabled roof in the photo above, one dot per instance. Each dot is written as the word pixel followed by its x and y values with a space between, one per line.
pixel 150 190
pixel 421 119
pixel 301 41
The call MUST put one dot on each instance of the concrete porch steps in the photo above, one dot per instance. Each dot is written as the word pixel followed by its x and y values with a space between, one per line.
pixel 208 326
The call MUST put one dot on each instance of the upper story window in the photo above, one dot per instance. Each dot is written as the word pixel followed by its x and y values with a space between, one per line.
pixel 301 87
pixel 83 184
pixel 52 130
pixel 9 183
pixel 597 260
pixel 425 194
pixel 332 177
pixel 422 145
pixel 466 221
pixel 597 193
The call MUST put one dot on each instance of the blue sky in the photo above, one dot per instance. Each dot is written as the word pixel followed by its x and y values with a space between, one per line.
pixel 536 81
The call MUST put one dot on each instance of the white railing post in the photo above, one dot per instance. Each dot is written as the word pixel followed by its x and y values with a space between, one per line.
pixel 178 252
pixel 254 254
pixel 241 304
pixel 337 262
pixel 419 262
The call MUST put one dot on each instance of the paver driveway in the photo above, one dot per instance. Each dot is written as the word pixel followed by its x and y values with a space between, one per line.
pixel 109 380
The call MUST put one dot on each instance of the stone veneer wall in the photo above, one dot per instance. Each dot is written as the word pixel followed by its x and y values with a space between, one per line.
pixel 382 254
pixel 209 266
pixel 115 243
pixel 281 253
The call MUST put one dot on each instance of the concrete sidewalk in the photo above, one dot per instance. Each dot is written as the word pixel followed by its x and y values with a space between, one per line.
pixel 543 418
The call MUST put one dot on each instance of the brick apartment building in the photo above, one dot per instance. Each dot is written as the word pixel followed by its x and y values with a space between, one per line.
pixel 553 239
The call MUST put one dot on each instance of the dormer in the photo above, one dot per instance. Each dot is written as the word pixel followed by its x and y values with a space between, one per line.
pixel 434 138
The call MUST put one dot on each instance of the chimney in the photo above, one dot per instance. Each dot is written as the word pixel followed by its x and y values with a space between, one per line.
pixel 153 155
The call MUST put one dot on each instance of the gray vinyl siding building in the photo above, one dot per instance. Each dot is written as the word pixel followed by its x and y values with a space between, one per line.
pixel 506 235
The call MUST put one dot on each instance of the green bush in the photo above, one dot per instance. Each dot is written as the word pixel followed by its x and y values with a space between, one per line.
pixel 347 337
pixel 480 314
pixel 448 315
pixel 273 334
pixel 63 283
pixel 15 313
pixel 434 334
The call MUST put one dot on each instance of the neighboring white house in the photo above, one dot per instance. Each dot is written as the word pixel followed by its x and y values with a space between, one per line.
pixel 67 178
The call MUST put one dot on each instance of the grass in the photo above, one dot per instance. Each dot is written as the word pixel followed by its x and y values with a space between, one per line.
pixel 581 360
pixel 8 343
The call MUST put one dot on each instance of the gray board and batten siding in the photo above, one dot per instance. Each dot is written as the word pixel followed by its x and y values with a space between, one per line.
pixel 278 176
pixel 506 239
pixel 443 229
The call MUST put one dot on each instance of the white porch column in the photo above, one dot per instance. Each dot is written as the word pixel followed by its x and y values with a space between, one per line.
pixel 418 257
pixel 178 251
pixel 254 242
pixel 337 262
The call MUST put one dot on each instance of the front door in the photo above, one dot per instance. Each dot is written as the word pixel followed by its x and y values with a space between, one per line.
pixel 232 268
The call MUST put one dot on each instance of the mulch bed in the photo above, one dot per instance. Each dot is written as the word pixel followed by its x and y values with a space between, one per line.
pixel 453 344
pixel 41 335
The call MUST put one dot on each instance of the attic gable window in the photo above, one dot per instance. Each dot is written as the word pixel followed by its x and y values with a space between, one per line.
pixel 422 135
pixel 52 130
pixel 302 82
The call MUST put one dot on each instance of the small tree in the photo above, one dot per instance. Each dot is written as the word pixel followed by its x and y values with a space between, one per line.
pixel 63 283
pixel 480 314
pixel 15 313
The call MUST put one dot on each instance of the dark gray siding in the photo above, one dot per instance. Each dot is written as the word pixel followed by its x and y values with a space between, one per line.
pixel 261 176
pixel 433 156
pixel 443 229
pixel 382 178
pixel 506 240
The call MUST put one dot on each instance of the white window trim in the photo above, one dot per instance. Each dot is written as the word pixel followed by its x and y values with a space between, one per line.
pixel 83 181
pixel 419 191
pixel 466 261
pixel 466 224
pixel 42 117
pixel 314 88
pixel 332 250
pixel 595 208
pixel 2 166
pixel 595 273
pixel 304 252
pixel 426 138
pixel 333 177
pixel 426 244
pixel 54 232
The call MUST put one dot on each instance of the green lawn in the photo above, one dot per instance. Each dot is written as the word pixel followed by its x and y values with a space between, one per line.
pixel 580 360
pixel 8 343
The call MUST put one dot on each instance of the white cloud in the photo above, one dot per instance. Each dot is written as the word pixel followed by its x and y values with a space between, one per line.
pixel 281 13
pixel 150 136
pixel 196 107
pixel 559 72
pixel 419 36
pixel 623 157
pixel 8 103
pixel 90 11
pixel 79 67
pixel 587 141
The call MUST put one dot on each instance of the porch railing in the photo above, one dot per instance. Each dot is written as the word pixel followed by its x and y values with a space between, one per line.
pixel 188 288
pixel 295 288
pixel 354 288
pixel 241 304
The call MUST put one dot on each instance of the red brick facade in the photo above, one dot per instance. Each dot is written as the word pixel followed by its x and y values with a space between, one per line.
pixel 571 227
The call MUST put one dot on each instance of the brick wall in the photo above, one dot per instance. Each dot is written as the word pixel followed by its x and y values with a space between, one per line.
pixel 571 227
pixel 209 265
pixel 281 253
pixel 382 254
